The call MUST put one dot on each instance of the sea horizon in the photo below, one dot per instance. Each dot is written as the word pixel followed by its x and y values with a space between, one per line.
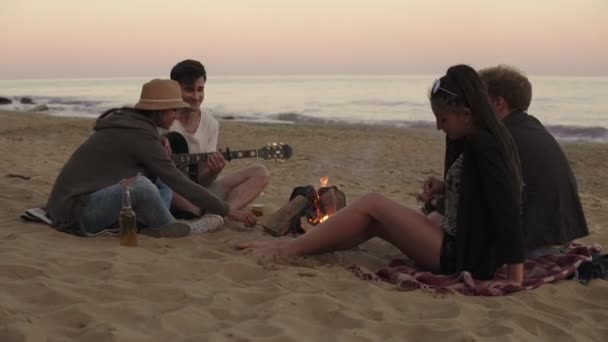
pixel 572 107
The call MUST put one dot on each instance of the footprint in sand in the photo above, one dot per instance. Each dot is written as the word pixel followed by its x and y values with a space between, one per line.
pixel 72 317
pixel 19 272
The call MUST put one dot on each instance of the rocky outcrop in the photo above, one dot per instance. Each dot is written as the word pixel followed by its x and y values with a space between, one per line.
pixel 40 108
pixel 27 100
pixel 5 101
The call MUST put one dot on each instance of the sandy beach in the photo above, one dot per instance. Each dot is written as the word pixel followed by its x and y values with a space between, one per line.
pixel 57 287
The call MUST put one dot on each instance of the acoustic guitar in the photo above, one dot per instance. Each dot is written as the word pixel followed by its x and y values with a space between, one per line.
pixel 188 162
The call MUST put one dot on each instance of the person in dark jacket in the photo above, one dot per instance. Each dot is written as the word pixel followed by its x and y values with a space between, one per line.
pixel 482 230
pixel 126 145
pixel 552 211
pixel 553 214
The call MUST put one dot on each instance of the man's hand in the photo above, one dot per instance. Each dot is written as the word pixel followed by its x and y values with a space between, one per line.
pixel 241 216
pixel 216 163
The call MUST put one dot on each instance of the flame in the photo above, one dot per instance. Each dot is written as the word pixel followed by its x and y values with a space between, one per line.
pixel 316 218
pixel 319 215
pixel 323 181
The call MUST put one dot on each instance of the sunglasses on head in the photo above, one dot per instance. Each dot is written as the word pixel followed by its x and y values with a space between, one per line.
pixel 437 87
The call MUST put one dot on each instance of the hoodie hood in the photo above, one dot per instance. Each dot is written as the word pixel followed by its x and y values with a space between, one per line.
pixel 123 118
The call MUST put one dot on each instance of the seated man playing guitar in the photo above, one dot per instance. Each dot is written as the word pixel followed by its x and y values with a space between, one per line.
pixel 201 131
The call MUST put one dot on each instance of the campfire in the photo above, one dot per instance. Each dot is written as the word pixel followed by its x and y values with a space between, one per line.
pixel 306 208
pixel 318 213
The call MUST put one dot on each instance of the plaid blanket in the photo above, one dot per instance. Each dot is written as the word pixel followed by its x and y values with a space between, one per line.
pixel 405 275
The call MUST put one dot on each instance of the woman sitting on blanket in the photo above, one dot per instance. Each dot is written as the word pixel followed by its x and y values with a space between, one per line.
pixel 481 230
pixel 126 145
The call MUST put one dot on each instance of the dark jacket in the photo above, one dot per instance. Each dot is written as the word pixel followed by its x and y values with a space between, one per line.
pixel 553 214
pixel 124 144
pixel 552 210
pixel 489 232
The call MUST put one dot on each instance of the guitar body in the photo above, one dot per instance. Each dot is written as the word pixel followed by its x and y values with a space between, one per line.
pixel 179 145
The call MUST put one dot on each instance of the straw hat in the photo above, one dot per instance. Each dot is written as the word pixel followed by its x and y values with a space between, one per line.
pixel 160 95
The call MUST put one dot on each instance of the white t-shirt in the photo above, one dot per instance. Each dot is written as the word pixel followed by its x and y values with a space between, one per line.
pixel 204 139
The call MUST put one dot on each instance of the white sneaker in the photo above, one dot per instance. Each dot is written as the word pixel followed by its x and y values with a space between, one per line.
pixel 206 224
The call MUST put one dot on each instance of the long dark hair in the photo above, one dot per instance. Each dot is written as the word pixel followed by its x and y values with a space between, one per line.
pixel 460 88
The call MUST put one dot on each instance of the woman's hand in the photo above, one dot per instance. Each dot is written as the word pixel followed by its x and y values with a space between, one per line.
pixel 432 186
pixel 241 216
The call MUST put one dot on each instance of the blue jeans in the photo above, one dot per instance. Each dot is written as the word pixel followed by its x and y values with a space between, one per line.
pixel 103 206
pixel 166 194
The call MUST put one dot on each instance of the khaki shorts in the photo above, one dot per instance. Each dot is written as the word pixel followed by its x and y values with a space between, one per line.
pixel 217 189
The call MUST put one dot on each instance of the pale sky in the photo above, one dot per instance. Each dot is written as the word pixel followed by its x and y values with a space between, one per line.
pixel 86 38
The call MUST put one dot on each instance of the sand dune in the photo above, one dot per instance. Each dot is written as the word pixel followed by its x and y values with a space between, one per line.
pixel 56 287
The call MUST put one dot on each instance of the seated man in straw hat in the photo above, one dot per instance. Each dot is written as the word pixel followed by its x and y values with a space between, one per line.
pixel 86 197
pixel 201 131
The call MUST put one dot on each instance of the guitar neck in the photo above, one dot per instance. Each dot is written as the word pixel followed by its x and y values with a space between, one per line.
pixel 195 158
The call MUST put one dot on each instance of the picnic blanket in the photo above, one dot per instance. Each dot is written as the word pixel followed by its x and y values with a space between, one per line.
pixel 39 215
pixel 406 276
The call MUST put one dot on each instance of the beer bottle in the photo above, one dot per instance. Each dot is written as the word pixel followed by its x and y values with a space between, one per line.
pixel 127 220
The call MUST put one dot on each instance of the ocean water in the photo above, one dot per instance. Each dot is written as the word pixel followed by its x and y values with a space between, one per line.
pixel 573 108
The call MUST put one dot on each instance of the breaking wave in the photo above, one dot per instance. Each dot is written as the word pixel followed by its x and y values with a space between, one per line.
pixel 68 106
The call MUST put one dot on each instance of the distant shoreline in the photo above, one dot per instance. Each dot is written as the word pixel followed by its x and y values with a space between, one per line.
pixel 573 108
pixel 563 133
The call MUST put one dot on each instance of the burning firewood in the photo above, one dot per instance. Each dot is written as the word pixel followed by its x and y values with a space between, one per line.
pixel 306 209
pixel 279 223
pixel 331 200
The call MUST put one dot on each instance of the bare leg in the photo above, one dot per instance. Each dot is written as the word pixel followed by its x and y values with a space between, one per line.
pixel 372 215
pixel 436 218
pixel 181 203
pixel 243 186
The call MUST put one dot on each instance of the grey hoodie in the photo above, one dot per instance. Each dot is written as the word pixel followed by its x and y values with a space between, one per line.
pixel 124 143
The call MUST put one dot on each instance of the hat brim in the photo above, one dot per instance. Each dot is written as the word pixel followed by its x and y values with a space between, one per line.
pixel 161 105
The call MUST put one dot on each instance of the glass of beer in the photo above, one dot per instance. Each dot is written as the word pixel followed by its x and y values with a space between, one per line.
pixel 257 209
